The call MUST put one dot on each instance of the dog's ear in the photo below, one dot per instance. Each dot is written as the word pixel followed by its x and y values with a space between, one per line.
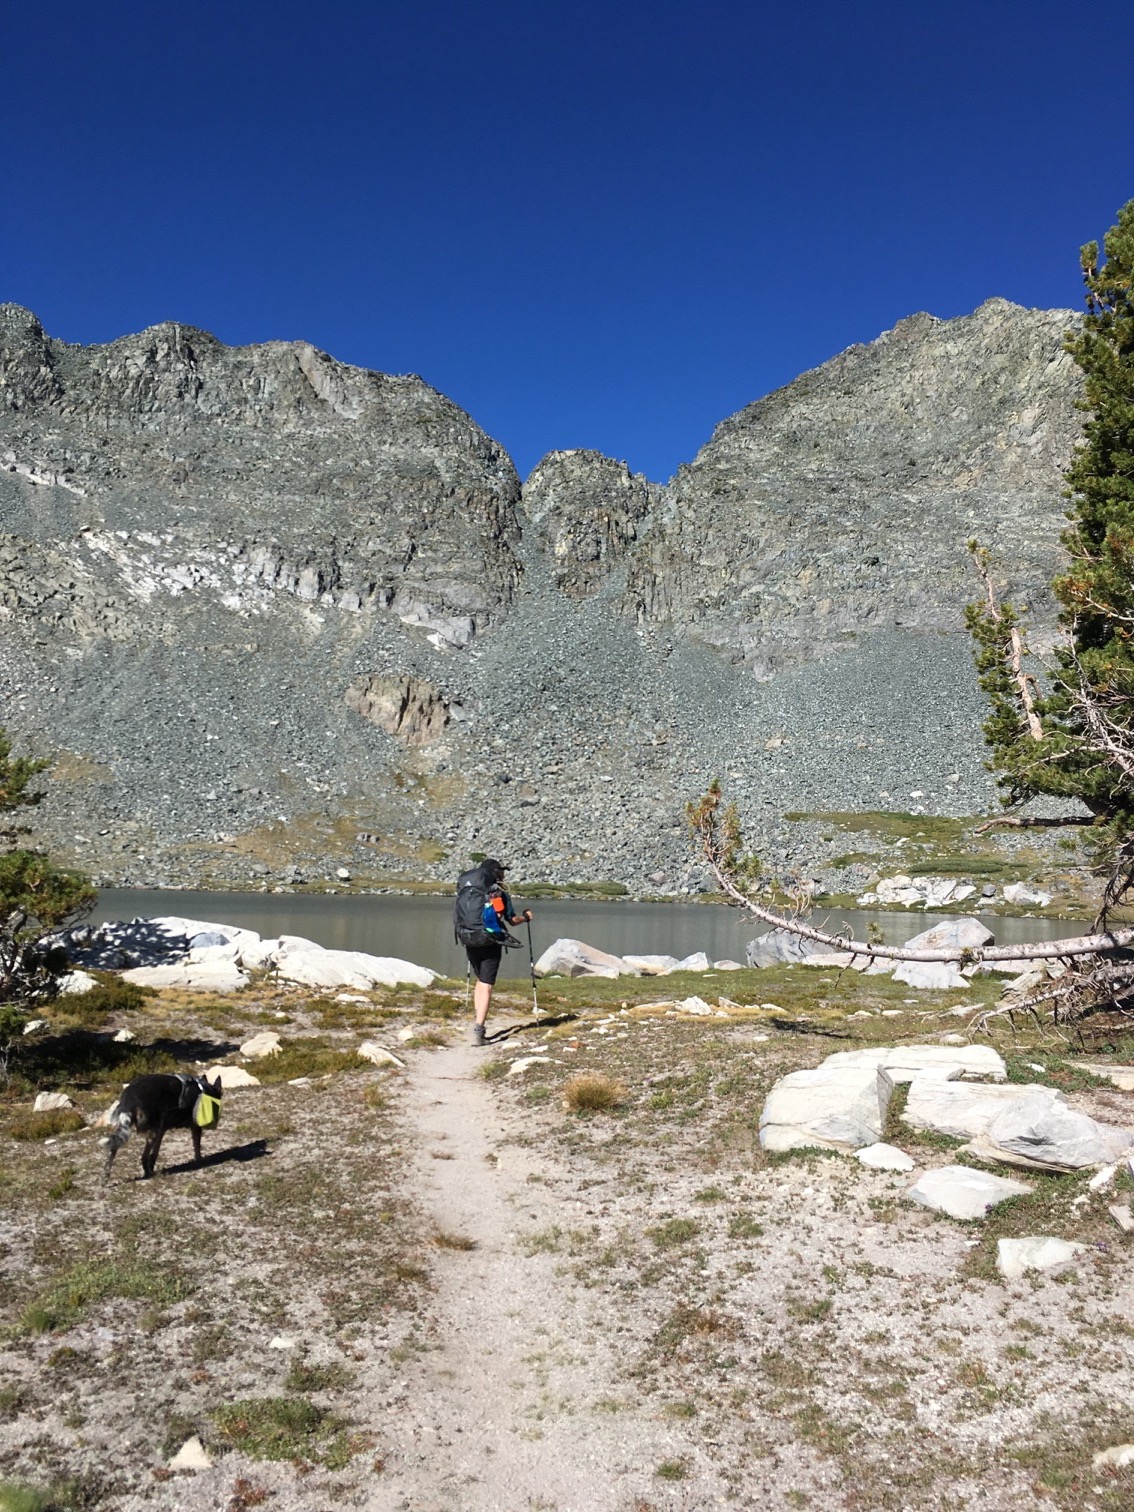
pixel 217 1088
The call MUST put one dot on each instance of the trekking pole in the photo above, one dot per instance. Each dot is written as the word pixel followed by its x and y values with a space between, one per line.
pixel 531 961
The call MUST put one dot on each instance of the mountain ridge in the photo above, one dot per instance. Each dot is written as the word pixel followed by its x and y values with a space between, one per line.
pixel 203 548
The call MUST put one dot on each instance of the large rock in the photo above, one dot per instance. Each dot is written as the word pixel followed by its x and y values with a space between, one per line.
pixel 195 976
pixel 1041 1131
pixel 1021 894
pixel 962 1192
pixel 961 1110
pixel 652 965
pixel 944 1062
pixel 931 976
pixel 779 947
pixel 571 958
pixel 310 965
pixel 830 1107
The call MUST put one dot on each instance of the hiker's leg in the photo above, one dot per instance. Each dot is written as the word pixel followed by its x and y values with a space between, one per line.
pixel 482 997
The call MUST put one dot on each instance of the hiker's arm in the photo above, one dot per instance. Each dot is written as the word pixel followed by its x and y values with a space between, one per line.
pixel 513 916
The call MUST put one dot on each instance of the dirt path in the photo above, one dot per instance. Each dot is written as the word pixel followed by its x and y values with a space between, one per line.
pixel 516 1401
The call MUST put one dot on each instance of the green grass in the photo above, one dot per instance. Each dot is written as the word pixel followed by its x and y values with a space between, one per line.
pixel 285 1428
pixel 673 1232
pixel 71 1296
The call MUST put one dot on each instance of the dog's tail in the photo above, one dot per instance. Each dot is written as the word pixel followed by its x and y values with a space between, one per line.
pixel 121 1127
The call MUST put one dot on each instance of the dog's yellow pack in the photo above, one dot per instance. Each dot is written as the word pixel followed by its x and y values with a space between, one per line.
pixel 206 1111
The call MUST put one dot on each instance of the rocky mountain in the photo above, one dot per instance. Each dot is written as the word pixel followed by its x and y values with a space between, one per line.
pixel 256 603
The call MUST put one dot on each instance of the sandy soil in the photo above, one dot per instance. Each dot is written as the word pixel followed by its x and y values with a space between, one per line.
pixel 475 1298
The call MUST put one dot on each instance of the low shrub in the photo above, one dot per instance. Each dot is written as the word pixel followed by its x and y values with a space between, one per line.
pixel 593 1092
pixel 30 1126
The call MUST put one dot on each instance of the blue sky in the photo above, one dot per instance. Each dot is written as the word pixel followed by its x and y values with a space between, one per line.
pixel 591 225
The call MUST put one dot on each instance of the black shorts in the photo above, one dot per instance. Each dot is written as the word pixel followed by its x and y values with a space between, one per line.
pixel 485 961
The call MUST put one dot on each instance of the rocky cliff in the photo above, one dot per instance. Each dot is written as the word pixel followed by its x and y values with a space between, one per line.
pixel 257 602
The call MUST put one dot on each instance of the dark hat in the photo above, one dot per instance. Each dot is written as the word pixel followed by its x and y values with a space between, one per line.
pixel 493 868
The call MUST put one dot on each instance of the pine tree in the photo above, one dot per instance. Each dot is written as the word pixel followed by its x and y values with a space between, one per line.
pixel 35 895
pixel 1075 738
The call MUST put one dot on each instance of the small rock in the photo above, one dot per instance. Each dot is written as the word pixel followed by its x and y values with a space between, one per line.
pixel 33 1026
pixel 405 1035
pixel 1120 1212
pixel 1116 1457
pixel 962 1192
pixel 51 1102
pixel 518 1067
pixel 76 982
pixel 727 965
pixel 191 1456
pixel 1102 1178
pixel 694 1005
pixel 1121 1077
pixel 378 1055
pixel 262 1045
pixel 1039 1252
pixel 283 1341
pixel 124 1037
pixel 884 1157
pixel 350 997
pixel 342 873
pixel 232 1076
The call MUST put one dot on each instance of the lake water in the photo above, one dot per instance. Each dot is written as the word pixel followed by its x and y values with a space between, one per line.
pixel 420 929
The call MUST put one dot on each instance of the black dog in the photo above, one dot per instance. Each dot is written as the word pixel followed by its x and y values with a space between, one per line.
pixel 153 1104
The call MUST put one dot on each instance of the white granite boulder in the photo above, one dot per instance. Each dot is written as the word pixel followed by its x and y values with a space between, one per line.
pixel 309 965
pixel 962 1192
pixel 232 1076
pixel 830 1107
pixel 943 1062
pixel 651 965
pixel 1021 894
pixel 930 976
pixel 51 1102
pixel 698 961
pixel 262 1046
pixel 885 1157
pixel 76 982
pixel 962 1110
pixel 780 947
pixel 220 976
pixel 1042 1132
pixel 378 1055
pixel 1036 1252
pixel 572 958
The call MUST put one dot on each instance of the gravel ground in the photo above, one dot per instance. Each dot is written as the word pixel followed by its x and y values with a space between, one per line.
pixel 493 1301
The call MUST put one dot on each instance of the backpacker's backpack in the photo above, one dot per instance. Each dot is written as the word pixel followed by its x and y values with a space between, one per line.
pixel 475 921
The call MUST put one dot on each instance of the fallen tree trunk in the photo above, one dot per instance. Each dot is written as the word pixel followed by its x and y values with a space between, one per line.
pixel 721 854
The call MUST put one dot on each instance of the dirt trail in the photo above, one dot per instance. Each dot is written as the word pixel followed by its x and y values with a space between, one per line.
pixel 516 1401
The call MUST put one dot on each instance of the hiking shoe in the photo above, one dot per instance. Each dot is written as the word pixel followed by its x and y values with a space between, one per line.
pixel 478 1034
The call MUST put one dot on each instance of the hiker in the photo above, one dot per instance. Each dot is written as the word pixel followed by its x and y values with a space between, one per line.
pixel 482 911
